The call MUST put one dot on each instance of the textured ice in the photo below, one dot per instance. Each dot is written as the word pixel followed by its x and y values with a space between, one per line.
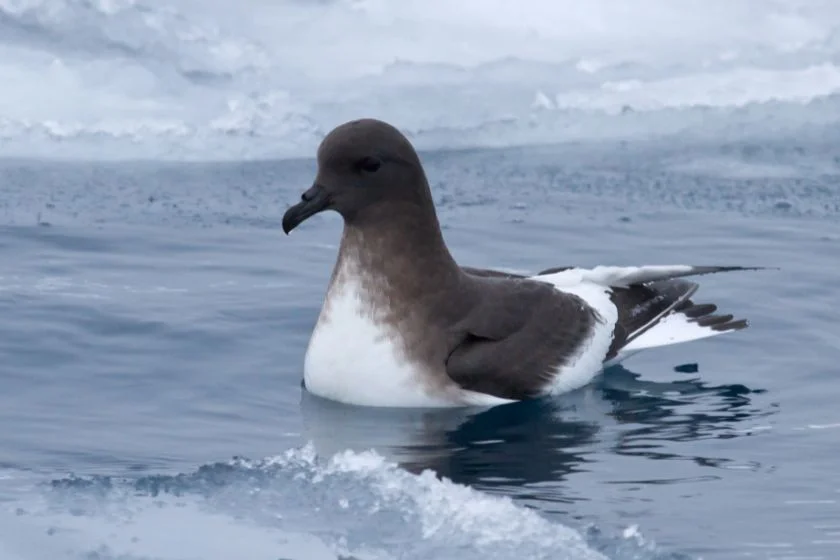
pixel 204 79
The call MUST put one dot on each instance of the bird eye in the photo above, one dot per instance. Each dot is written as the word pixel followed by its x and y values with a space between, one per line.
pixel 369 164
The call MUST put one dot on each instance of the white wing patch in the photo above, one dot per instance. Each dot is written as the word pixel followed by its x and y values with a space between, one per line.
pixel 623 276
pixel 618 276
pixel 672 329
pixel 594 286
pixel 588 360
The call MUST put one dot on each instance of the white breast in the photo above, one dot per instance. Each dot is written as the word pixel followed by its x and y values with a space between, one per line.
pixel 353 359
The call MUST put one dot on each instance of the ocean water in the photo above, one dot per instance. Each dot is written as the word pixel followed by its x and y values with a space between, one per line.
pixel 154 316
pixel 155 319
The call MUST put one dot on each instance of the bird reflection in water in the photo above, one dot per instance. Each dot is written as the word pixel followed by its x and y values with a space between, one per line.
pixel 518 449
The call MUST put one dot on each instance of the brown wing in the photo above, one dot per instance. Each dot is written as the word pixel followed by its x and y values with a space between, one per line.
pixel 490 273
pixel 510 344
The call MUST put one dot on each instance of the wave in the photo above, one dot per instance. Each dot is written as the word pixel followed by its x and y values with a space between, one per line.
pixel 354 505
pixel 187 79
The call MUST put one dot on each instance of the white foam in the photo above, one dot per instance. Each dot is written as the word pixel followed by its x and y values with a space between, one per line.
pixel 448 509
pixel 289 506
pixel 204 79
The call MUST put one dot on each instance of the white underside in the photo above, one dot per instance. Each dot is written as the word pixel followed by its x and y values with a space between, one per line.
pixel 353 359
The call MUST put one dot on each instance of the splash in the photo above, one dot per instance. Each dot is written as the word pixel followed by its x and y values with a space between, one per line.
pixel 354 505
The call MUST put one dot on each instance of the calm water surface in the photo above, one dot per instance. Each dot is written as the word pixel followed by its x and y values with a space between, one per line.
pixel 154 321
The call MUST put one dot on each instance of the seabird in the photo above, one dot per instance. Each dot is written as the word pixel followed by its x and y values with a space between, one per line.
pixel 403 325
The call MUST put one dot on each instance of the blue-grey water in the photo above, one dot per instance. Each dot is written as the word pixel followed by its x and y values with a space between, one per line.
pixel 154 321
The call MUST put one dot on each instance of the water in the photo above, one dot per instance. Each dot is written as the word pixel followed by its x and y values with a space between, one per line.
pixel 155 317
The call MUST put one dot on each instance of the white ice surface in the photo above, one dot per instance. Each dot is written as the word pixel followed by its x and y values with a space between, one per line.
pixel 211 79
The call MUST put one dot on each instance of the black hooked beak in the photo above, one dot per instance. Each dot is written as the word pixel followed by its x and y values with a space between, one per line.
pixel 314 200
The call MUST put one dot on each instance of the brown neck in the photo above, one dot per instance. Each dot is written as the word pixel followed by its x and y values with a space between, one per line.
pixel 400 244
